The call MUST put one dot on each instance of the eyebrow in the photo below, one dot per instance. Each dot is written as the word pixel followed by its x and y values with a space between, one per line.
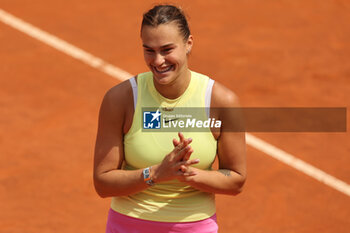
pixel 163 46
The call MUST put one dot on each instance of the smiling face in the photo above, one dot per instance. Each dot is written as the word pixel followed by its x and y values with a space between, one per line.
pixel 165 52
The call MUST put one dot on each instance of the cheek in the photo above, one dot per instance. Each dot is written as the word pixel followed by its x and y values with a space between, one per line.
pixel 147 58
pixel 178 57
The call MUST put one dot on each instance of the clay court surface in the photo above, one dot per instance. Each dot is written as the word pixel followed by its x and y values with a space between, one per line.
pixel 271 53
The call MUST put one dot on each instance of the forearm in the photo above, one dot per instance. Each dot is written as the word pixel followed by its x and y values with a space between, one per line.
pixel 220 181
pixel 119 182
pixel 111 182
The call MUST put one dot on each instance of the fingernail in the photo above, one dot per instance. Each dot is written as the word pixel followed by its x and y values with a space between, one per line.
pixel 190 140
pixel 196 160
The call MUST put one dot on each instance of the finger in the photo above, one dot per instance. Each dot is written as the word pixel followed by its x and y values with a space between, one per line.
pixel 175 142
pixel 191 173
pixel 182 145
pixel 181 136
pixel 179 173
pixel 188 171
pixel 191 162
pixel 181 153
pixel 183 139
pixel 179 147
pixel 183 165
pixel 183 169
pixel 189 140
pixel 187 155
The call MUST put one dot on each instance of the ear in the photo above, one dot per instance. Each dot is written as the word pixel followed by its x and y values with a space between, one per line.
pixel 189 44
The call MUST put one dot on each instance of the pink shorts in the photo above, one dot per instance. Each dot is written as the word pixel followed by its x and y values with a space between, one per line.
pixel 119 223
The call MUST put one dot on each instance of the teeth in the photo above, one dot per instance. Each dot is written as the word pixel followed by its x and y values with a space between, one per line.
pixel 163 70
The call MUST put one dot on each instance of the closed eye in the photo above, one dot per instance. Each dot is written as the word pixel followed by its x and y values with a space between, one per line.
pixel 167 50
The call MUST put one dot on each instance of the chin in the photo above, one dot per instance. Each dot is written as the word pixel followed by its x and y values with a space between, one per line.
pixel 163 80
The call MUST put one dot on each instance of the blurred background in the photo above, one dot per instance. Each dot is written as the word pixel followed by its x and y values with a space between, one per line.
pixel 288 53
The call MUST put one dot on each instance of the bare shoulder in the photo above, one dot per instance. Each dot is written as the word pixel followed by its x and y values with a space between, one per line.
pixel 119 91
pixel 117 99
pixel 223 96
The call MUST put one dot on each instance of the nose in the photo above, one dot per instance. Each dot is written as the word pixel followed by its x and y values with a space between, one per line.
pixel 158 59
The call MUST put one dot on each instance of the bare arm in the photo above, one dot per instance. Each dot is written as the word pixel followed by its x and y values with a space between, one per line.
pixel 109 179
pixel 231 175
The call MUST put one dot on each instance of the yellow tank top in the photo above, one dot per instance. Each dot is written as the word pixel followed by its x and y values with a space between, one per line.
pixel 171 201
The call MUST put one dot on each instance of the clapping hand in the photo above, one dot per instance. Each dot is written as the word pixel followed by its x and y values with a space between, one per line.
pixel 175 163
pixel 185 168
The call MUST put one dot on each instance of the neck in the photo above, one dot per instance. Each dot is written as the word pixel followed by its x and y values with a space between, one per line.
pixel 176 88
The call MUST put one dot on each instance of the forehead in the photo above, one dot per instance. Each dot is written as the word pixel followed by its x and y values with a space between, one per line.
pixel 161 35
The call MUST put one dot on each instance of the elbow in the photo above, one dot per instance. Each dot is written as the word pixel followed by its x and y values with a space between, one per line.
pixel 99 187
pixel 237 191
pixel 237 187
pixel 100 192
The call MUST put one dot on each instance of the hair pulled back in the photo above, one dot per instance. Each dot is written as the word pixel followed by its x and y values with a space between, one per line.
pixel 163 14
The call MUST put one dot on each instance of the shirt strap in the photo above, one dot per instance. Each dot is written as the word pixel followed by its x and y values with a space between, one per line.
pixel 208 96
pixel 134 90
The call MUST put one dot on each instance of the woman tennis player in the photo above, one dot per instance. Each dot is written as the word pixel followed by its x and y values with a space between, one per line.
pixel 163 181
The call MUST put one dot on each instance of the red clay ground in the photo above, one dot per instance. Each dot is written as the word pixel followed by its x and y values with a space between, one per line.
pixel 271 53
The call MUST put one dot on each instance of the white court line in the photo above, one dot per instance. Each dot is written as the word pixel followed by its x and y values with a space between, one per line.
pixel 63 46
pixel 122 75
pixel 298 164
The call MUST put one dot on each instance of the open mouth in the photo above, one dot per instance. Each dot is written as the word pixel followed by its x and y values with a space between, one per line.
pixel 162 70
